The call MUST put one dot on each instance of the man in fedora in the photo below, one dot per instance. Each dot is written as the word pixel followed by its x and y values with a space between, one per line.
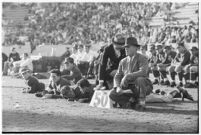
pixel 132 74
pixel 111 57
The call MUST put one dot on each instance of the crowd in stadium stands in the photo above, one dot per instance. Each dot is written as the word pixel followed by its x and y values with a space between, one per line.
pixel 125 62
pixel 58 23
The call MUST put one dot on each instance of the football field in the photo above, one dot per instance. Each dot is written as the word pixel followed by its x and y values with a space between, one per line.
pixel 27 113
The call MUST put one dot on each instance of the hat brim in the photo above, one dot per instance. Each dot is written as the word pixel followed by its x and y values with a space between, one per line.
pixel 117 43
pixel 136 45
pixel 193 49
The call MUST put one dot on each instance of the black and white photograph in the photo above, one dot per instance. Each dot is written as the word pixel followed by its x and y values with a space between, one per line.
pixel 100 67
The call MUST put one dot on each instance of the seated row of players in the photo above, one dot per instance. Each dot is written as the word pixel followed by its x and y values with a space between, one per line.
pixel 162 60
pixel 184 64
pixel 131 73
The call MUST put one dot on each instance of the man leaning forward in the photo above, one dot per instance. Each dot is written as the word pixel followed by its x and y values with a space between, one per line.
pixel 132 74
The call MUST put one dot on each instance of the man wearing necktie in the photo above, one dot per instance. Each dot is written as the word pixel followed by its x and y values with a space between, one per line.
pixel 132 74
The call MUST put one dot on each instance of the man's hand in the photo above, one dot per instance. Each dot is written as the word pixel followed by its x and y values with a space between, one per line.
pixel 118 90
pixel 127 77
pixel 113 73
pixel 11 60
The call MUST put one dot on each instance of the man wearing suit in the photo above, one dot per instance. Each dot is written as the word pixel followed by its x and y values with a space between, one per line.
pixel 132 74
pixel 111 57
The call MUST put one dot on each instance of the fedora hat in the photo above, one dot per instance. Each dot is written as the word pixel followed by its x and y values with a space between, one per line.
pixel 118 39
pixel 194 48
pixel 131 41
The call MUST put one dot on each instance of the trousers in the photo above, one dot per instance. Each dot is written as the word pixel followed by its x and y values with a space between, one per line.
pixel 140 87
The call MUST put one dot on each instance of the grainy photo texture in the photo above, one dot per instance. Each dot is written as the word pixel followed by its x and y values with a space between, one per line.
pixel 100 67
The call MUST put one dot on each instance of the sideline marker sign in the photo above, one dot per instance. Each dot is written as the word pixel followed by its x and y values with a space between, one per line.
pixel 101 99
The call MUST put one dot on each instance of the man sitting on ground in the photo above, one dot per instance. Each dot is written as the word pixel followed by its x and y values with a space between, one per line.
pixel 83 91
pixel 191 70
pixel 75 74
pixel 111 57
pixel 132 74
pixel 33 85
pixel 160 96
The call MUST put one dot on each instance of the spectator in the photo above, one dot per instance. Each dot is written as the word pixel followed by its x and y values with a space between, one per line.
pixel 4 59
pixel 74 52
pixel 80 54
pixel 13 56
pixel 66 54
pixel 143 50
pixel 26 61
pixel 85 61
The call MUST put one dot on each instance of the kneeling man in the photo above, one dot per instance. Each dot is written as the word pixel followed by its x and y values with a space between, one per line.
pixel 132 74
